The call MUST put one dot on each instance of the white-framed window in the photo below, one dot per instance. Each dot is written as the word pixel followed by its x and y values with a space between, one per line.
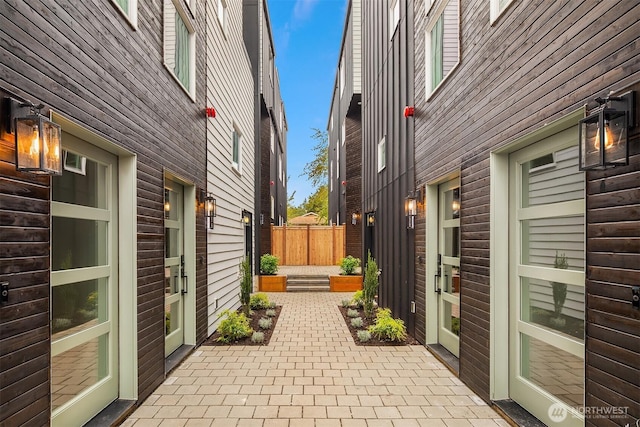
pixel 342 75
pixel 273 208
pixel 272 136
pixel 330 177
pixel 129 8
pixel 382 153
pixel 221 12
pixel 331 122
pixel 236 149
pixel 179 46
pixel 394 17
pixel 344 130
pixel 280 174
pixel 338 156
pixel 281 117
pixel 497 7
pixel 442 43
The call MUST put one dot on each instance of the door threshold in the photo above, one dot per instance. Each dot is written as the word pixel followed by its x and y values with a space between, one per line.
pixel 114 414
pixel 172 361
pixel 446 357
pixel 516 414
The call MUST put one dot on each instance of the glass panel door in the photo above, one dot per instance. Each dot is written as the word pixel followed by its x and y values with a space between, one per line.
pixel 84 286
pixel 174 266
pixel 547 280
pixel 449 266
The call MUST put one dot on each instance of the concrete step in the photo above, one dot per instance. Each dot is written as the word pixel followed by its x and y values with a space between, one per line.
pixel 318 277
pixel 308 288
pixel 307 283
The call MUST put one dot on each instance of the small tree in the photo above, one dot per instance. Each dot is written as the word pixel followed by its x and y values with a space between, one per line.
pixel 559 289
pixel 246 284
pixel 370 286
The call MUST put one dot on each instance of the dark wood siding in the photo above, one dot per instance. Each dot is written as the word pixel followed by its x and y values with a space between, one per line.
pixel 353 175
pixel 387 87
pixel 85 61
pixel 535 64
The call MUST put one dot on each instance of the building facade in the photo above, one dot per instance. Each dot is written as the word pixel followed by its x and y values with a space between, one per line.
pixel 525 265
pixel 344 131
pixel 387 150
pixel 270 126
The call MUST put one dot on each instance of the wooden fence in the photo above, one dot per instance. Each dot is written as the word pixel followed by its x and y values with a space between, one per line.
pixel 308 244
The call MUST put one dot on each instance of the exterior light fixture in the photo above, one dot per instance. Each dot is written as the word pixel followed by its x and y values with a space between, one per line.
pixel 604 133
pixel 210 210
pixel 38 139
pixel 371 219
pixel 411 210
pixel 246 218
pixel 355 217
pixel 261 219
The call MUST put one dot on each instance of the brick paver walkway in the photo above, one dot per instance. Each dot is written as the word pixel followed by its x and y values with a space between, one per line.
pixel 312 374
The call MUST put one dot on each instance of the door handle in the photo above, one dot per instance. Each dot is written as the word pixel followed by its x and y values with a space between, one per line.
pixel 185 281
pixel 436 289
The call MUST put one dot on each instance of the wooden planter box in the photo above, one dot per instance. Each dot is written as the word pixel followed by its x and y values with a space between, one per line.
pixel 272 283
pixel 345 283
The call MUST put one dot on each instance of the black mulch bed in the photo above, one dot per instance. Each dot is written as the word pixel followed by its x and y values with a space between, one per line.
pixel 365 325
pixel 255 318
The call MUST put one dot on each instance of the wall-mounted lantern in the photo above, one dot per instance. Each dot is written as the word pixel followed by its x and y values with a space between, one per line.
pixel 371 219
pixel 246 218
pixel 411 210
pixel 38 139
pixel 604 133
pixel 210 209
pixel 355 218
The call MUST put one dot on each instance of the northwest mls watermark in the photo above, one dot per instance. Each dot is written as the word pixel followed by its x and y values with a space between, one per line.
pixel 559 412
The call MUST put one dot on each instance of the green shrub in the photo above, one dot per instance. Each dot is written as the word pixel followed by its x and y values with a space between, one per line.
pixel 352 313
pixel 370 287
pixel 357 322
pixel 358 299
pixel 259 301
pixel 246 284
pixel 268 264
pixel 265 323
pixel 272 304
pixel 257 337
pixel 270 312
pixel 348 265
pixel 387 328
pixel 364 336
pixel 346 303
pixel 233 327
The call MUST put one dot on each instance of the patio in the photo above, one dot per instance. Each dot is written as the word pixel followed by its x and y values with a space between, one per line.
pixel 312 374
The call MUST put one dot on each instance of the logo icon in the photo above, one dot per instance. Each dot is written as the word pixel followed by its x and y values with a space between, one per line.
pixel 557 412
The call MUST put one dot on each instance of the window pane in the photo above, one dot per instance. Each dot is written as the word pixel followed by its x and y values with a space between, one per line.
pixel 559 182
pixel 177 49
pixel 81 183
pixel 236 148
pixel 546 241
pixel 78 306
pixel 77 369
pixel 436 52
pixel 124 5
pixel 77 243
pixel 172 243
pixel 171 204
pixel 554 370
pixel 553 305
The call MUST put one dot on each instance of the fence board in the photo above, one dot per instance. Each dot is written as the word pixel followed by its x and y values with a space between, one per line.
pixel 308 245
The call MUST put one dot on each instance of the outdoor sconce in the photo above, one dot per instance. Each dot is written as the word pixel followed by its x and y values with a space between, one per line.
pixel 604 133
pixel 371 219
pixel 210 209
pixel 246 218
pixel 37 138
pixel 261 219
pixel 411 210
pixel 355 217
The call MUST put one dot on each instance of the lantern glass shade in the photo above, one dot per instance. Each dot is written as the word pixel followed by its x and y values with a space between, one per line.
pixel 355 216
pixel 38 145
pixel 603 140
pixel 210 209
pixel 371 219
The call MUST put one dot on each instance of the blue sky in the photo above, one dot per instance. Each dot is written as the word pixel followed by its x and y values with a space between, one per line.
pixel 307 35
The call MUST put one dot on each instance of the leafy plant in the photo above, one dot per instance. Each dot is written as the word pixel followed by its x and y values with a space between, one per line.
pixel 358 299
pixel 270 313
pixel 345 303
pixel 364 336
pixel 233 327
pixel 272 304
pixel 352 313
pixel 357 322
pixel 265 323
pixel 348 265
pixel 259 301
pixel 370 287
pixel 257 337
pixel 388 328
pixel 246 284
pixel 559 289
pixel 268 264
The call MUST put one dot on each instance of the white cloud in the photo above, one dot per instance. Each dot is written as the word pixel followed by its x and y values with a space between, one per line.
pixel 302 10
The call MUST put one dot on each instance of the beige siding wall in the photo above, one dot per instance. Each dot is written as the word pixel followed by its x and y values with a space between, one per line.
pixel 230 92
pixel 356 23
